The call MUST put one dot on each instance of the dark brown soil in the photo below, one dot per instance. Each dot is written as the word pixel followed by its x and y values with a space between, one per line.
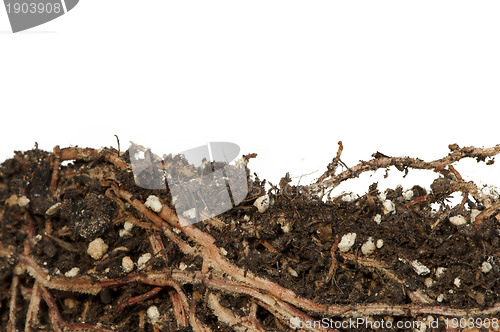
pixel 293 244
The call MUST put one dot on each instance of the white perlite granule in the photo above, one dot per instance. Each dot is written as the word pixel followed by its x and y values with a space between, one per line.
pixel 97 248
pixel 127 225
pixel 458 220
pixel 347 242
pixel 153 313
pixel 389 206
pixel 440 271
pixel 262 203
pixel 292 272
pixel 408 194
pixel 141 262
pixel 23 201
pixel 153 203
pixel 420 268
pixel 486 267
pixel 349 197
pixel 368 247
pixel 473 214
pixel 72 273
pixel 124 233
pixel 429 282
pixel 53 209
pixel 127 264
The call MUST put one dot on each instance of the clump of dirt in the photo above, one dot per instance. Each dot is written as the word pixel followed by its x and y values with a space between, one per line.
pixel 285 258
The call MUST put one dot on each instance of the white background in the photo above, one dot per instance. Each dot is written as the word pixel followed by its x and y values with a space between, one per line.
pixel 284 79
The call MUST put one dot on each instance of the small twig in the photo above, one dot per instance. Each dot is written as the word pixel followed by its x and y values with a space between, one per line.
pixel 179 312
pixel 252 318
pixel 138 299
pixel 405 162
pixel 57 321
pixel 11 325
pixel 440 218
pixel 417 296
pixel 333 266
pixel 492 210
pixel 332 167
pixel 86 309
pixel 158 247
pixel 63 244
pixel 196 324
pixel 457 175
pixel 269 247
pixel 226 316
pixel 142 320
pixel 118 141
pixel 55 168
pixel 34 306
pixel 418 200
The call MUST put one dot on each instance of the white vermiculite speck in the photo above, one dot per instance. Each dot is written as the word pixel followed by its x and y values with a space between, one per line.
pixel 368 247
pixel 408 194
pixel 53 209
pixel 349 197
pixel 72 273
pixel 440 271
pixel 153 203
pixel 458 220
pixel 429 282
pixel 127 225
pixel 389 206
pixel 153 313
pixel 127 264
pixel 486 267
pixel 377 219
pixel 19 270
pixel 141 262
pixel 23 201
pixel 420 268
pixel 347 242
pixel 124 233
pixel 262 203
pixel 97 248
pixel 292 272
pixel 380 243
pixel 473 214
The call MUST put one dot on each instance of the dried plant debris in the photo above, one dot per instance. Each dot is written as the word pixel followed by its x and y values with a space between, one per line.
pixel 83 248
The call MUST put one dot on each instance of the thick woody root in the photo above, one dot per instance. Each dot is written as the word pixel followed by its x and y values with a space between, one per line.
pixel 330 180
pixel 217 274
pixel 284 310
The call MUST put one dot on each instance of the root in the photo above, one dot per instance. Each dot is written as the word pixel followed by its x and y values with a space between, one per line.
pixel 218 275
